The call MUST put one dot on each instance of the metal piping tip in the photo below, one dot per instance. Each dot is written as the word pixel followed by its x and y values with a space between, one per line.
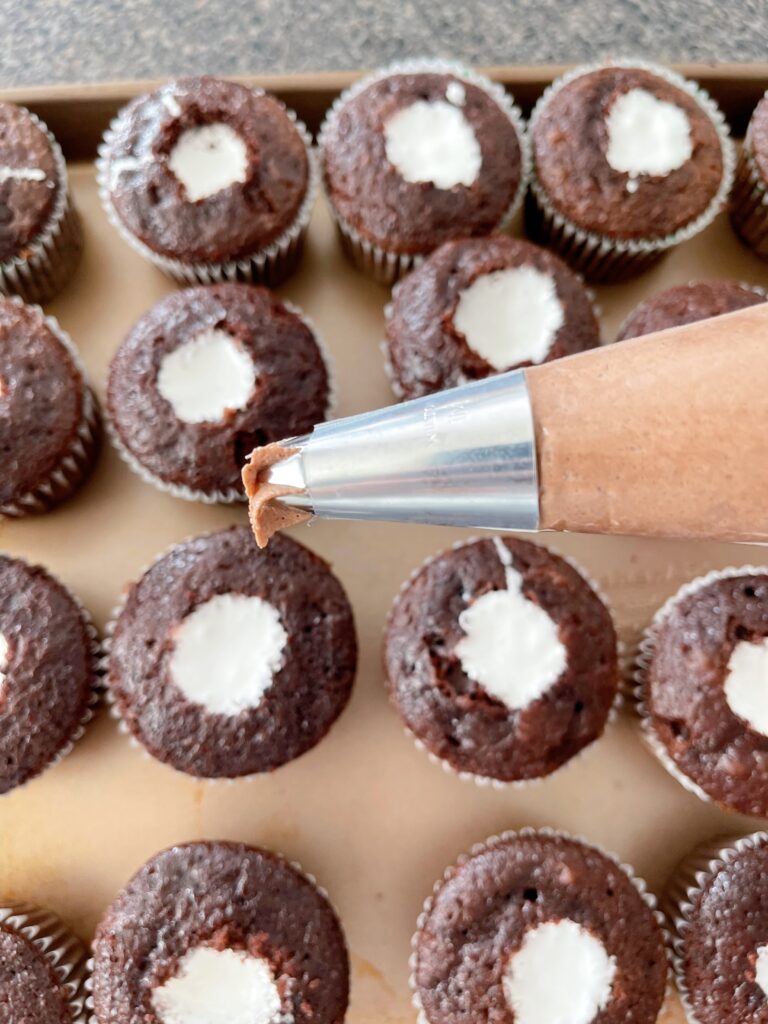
pixel 464 457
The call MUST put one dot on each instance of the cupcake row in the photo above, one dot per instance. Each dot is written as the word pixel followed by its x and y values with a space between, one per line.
pixel 501 660
pixel 213 181
pixel 211 372
pixel 532 925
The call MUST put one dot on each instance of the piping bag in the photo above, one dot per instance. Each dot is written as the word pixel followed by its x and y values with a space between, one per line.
pixel 663 436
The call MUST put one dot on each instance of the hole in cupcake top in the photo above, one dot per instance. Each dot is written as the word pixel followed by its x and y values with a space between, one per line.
pixel 432 141
pixel 510 316
pixel 227 651
pixel 561 973
pixel 207 377
pixel 761 968
pixel 746 684
pixel 207 159
pixel 647 135
pixel 511 646
pixel 219 986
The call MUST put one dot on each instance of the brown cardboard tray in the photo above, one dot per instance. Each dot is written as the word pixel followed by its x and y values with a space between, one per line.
pixel 365 811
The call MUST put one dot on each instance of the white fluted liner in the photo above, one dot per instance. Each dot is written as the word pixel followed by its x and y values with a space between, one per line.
pixel 749 201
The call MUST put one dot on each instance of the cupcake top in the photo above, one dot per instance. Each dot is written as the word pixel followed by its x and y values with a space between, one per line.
pixel 758 136
pixel 704 687
pixel 626 153
pixel 209 374
pixel 501 659
pixel 226 660
pixel 539 928
pixel 480 306
pixel 413 159
pixel 215 930
pixel 687 303
pixel 723 949
pixel 42 397
pixel 29 180
pixel 204 170
pixel 35 964
pixel 47 670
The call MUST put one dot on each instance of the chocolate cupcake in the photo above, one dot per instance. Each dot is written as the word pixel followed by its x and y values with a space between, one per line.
pixel 226 661
pixel 42 968
pixel 48 662
pixel 687 303
pixel 49 422
pixel 209 180
pixel 40 234
pixel 478 306
pixel 217 931
pixel 749 197
pixel 701 691
pixel 717 901
pixel 629 160
pixel 418 154
pixel 206 376
pixel 537 927
pixel 501 660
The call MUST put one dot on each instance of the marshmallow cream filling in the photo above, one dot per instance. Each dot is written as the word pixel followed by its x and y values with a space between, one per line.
pixel 432 141
pixel 511 646
pixel 227 651
pixel 206 377
pixel 561 974
pixel 510 316
pixel 746 683
pixel 761 968
pixel 219 986
pixel 647 135
pixel 208 159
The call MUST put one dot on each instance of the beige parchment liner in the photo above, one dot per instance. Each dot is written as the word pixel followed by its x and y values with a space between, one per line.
pixel 364 811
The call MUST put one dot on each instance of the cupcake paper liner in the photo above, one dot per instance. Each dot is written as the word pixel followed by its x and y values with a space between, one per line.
pixel 51 259
pixel 643 660
pixel 547 833
pixel 270 265
pixel 78 460
pixel 94 698
pixel 387 266
pixel 690 876
pixel 484 781
pixel 66 954
pixel 601 258
pixel 749 203
pixel 389 370
pixel 232 495
pixel 89 1013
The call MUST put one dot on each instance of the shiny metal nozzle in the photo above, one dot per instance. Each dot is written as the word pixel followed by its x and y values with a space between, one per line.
pixel 464 457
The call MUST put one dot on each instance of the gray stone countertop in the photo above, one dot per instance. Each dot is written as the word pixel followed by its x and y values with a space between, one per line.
pixel 52 41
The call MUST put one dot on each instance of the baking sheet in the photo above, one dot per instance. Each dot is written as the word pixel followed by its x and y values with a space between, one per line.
pixel 365 812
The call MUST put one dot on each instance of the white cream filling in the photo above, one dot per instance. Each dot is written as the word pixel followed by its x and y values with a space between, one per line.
pixel 208 159
pixel 746 683
pixel 562 974
pixel 761 968
pixel 647 135
pixel 510 316
pixel 227 651
pixel 215 986
pixel 206 377
pixel 433 141
pixel 4 651
pixel 22 174
pixel 511 646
